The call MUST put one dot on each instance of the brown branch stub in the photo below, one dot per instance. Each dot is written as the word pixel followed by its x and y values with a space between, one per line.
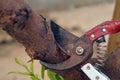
pixel 30 29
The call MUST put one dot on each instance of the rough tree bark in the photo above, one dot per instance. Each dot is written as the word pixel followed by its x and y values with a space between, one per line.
pixel 112 65
pixel 33 31
pixel 30 29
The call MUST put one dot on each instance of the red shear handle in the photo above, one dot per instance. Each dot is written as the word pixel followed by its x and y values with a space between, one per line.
pixel 108 27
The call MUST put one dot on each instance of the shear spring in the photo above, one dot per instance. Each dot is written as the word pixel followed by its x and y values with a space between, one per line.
pixel 101 54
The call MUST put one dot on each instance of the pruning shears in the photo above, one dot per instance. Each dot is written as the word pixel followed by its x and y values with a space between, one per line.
pixel 80 49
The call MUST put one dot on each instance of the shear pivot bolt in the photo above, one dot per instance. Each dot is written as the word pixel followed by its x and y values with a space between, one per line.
pixel 104 30
pixel 92 35
pixel 79 50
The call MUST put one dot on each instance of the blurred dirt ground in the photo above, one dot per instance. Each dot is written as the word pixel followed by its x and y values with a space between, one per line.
pixel 76 20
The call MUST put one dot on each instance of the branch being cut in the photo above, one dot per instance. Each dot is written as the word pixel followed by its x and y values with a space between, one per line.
pixel 30 29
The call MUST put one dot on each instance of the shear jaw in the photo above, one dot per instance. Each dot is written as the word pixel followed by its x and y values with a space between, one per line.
pixel 92 73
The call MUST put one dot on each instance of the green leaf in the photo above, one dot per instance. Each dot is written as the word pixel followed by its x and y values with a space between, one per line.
pixel 42 72
pixel 21 64
pixel 32 66
pixel 17 61
pixel 58 77
pixel 21 73
pixel 30 69
pixel 36 76
pixel 32 78
pixel 51 75
pixel 30 60
pixel 24 66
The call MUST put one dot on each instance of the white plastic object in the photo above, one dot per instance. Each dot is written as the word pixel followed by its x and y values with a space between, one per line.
pixel 92 73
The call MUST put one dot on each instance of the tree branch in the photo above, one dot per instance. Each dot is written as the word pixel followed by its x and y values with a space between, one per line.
pixel 30 29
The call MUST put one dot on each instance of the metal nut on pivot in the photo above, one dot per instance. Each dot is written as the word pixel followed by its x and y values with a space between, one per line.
pixel 104 30
pixel 79 50
pixel 92 35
